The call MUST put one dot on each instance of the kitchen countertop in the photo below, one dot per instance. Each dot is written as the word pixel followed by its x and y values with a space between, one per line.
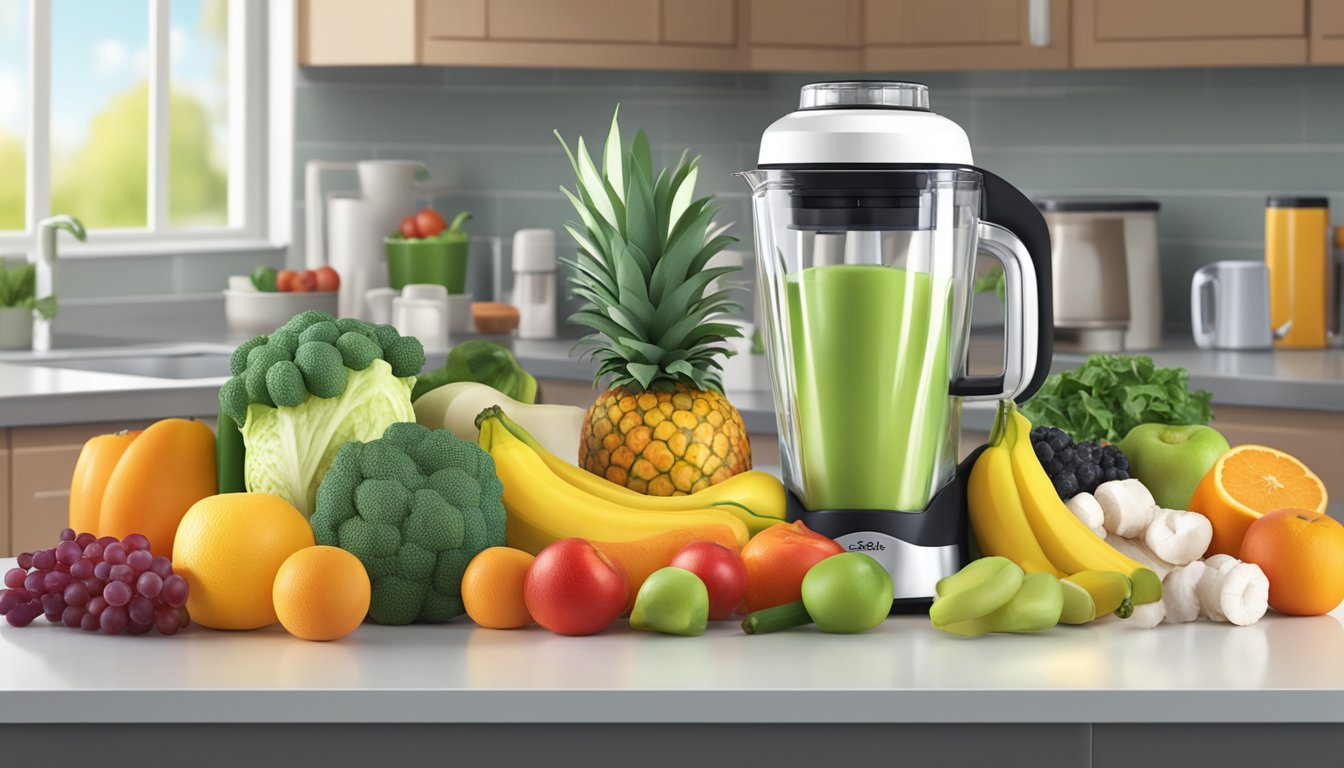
pixel 39 395
pixel 1280 670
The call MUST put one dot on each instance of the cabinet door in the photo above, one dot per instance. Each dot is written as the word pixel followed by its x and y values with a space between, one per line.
pixel 588 21
pixel 966 34
pixel 699 22
pixel 358 32
pixel 42 461
pixel 1327 31
pixel 4 493
pixel 1186 33
pixel 454 19
pixel 803 35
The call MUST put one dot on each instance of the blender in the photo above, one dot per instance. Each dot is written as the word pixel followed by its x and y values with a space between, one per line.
pixel 869 214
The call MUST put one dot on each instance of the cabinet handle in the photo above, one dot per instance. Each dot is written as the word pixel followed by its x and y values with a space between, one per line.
pixel 1038 23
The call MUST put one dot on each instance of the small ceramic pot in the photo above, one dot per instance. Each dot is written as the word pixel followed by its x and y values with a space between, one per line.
pixel 16 328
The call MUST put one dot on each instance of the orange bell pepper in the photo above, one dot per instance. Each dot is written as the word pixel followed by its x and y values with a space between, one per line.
pixel 96 462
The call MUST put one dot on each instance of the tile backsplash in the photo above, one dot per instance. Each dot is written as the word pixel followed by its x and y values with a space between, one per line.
pixel 1208 144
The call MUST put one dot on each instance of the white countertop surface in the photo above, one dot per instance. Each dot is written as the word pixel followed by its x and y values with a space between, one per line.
pixel 1280 670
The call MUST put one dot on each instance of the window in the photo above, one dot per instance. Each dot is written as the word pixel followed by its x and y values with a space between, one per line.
pixel 143 118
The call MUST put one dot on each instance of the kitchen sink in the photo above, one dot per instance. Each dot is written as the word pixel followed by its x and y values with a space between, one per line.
pixel 187 365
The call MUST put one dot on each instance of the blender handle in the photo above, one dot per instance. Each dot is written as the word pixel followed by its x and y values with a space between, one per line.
pixel 1021 321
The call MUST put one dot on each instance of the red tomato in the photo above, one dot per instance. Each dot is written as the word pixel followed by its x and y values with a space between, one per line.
pixel 573 589
pixel 305 282
pixel 285 280
pixel 327 279
pixel 722 571
pixel 429 222
pixel 778 558
pixel 408 228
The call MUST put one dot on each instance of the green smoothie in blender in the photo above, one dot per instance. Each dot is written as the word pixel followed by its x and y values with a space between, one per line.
pixel 869 348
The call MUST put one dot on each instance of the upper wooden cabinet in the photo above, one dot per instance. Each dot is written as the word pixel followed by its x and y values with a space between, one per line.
pixel 821 35
pixel 966 34
pixel 1189 33
pixel 1327 31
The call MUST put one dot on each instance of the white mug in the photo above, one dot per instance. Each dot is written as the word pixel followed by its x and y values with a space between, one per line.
pixel 422 311
pixel 1229 306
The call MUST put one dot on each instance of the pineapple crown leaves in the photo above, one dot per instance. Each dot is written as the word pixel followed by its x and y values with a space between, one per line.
pixel 644 243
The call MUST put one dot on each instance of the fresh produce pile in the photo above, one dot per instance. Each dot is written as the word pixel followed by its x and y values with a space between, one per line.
pixel 270 280
pixel 428 224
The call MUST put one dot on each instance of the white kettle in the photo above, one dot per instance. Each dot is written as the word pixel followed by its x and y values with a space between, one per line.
pixel 347 230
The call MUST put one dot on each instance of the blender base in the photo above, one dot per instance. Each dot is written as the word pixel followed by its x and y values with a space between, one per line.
pixel 916 547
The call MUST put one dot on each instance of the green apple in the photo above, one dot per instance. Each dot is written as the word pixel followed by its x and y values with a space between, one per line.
pixel 1171 460
pixel 673 601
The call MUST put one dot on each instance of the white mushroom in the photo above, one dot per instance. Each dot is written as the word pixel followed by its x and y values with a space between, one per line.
pixel 1137 551
pixel 1127 507
pixel 1085 507
pixel 1244 594
pixel 1210 586
pixel 1178 537
pixel 1179 593
pixel 1148 615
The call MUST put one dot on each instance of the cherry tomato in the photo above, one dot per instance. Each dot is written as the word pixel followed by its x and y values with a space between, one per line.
pixel 305 282
pixel 409 229
pixel 285 279
pixel 327 279
pixel 429 222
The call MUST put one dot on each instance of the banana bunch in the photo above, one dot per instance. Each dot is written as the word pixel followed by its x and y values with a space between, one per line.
pixel 1016 514
pixel 547 499
pixel 994 594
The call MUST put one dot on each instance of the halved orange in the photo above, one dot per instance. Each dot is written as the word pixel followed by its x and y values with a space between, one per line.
pixel 1247 482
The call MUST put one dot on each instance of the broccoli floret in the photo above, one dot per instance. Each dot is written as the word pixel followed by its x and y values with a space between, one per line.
pixel 285 339
pixel 415 506
pixel 324 332
pixel 323 372
pixel 406 355
pixel 238 361
pixel 233 399
pixel 302 321
pixel 357 350
pixel 284 383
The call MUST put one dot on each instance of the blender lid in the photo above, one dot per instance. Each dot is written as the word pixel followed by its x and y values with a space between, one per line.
pixel 862 123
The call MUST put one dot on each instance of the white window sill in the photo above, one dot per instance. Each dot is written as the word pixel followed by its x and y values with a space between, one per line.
pixel 68 248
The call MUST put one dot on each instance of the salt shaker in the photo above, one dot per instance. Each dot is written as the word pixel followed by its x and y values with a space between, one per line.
pixel 534 282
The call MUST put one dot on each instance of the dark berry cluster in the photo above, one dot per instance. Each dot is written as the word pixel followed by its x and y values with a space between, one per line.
pixel 1076 468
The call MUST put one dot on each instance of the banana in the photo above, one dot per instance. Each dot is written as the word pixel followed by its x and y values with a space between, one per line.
pixel 1079 607
pixel 1035 608
pixel 982 587
pixel 542 508
pixel 1111 591
pixel 1065 539
pixel 997 518
pixel 756 498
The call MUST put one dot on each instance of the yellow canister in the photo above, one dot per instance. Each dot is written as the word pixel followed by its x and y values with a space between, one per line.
pixel 1297 253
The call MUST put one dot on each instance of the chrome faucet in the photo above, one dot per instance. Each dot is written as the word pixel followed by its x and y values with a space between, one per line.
pixel 44 258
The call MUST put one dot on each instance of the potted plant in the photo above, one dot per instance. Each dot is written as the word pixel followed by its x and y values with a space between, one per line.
pixel 18 301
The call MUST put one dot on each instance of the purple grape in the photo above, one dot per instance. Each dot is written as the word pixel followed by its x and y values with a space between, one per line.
pixel 167 621
pixel 72 615
pixel 53 606
pixel 174 591
pixel 140 610
pixel 85 539
pixel 140 560
pixel 114 553
pixel 117 594
pixel 97 605
pixel 76 594
pixel 25 560
pixel 44 559
pixel 14 578
pixel 9 598
pixel 67 534
pixel 68 552
pixel 113 621
pixel 162 566
pixel 122 572
pixel 55 581
pixel 101 570
pixel 183 618
pixel 138 629
pixel 82 568
pixel 136 542
pixel 94 551
pixel 33 583
pixel 88 622
pixel 23 615
pixel 149 584
pixel 105 540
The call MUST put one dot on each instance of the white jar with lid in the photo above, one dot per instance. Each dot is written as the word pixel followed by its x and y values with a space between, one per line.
pixel 534 282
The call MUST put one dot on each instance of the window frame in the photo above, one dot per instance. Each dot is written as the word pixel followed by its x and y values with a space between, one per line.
pixel 258 50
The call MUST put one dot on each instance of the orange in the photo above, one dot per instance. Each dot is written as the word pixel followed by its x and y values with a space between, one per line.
pixel 321 593
pixel 229 548
pixel 492 588
pixel 1247 482
pixel 1302 553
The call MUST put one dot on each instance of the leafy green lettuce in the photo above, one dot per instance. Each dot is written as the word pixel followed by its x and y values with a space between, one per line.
pixel 1108 395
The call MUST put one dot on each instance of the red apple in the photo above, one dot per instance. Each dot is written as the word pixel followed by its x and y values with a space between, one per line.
pixel 573 589
pixel 327 279
pixel 409 229
pixel 285 279
pixel 722 571
pixel 306 282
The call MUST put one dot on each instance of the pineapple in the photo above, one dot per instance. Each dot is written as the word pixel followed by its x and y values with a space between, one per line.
pixel 663 427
